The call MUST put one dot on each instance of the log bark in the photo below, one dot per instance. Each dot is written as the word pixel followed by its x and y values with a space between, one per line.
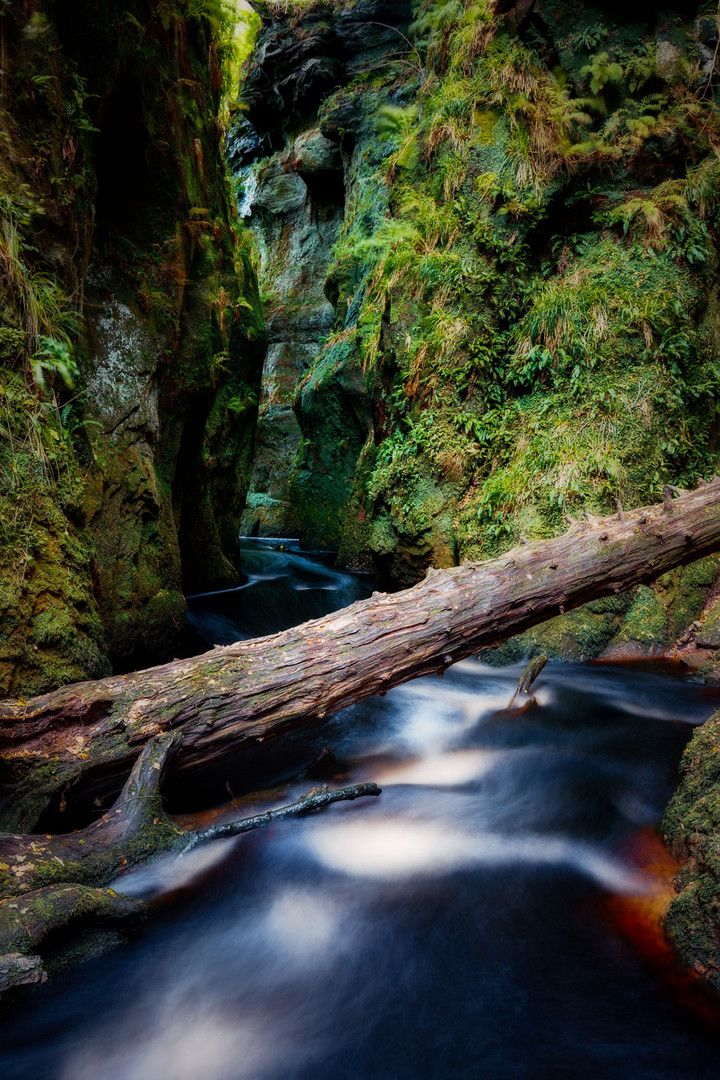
pixel 237 696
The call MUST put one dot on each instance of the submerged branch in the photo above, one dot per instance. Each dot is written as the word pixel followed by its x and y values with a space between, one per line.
pixel 306 804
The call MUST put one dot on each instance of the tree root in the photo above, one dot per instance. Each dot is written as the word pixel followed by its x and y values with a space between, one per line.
pixel 48 883
pixel 134 829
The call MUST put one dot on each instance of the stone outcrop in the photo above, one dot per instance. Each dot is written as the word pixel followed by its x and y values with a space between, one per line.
pixel 315 415
pixel 692 829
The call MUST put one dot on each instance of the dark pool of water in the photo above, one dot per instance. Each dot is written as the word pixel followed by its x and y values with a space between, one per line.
pixel 458 926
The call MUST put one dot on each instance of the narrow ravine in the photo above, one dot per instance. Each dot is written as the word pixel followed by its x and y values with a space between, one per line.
pixel 490 914
pixel 420 282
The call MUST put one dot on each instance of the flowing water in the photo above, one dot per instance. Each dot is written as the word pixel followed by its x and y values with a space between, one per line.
pixel 493 914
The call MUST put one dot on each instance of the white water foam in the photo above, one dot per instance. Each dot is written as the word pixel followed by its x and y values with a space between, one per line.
pixel 442 770
pixel 172 872
pixel 392 849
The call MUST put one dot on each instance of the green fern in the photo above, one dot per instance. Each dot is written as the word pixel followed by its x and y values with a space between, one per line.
pixel 602 72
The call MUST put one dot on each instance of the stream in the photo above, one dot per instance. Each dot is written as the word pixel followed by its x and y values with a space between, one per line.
pixel 494 913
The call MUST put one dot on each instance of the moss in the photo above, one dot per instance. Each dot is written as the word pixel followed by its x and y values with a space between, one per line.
pixel 84 944
pixel 51 627
pixel 25 922
pixel 646 621
pixel 686 590
pixel 693 926
pixel 648 618
pixel 582 634
pixel 691 826
pixel 659 616
pixel 330 402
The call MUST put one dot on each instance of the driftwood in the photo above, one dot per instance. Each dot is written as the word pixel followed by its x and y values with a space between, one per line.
pixel 50 882
pixel 85 737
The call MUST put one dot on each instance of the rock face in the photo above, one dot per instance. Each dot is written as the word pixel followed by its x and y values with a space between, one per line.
pixel 522 278
pixel 123 488
pixel 315 414
pixel 692 829
pixel 296 217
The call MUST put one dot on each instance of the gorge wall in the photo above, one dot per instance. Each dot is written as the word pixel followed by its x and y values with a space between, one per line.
pixel 487 241
pixel 485 238
pixel 294 170
pixel 131 338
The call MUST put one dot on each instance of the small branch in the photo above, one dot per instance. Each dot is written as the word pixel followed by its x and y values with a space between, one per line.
pixel 522 697
pixel 531 672
pixel 306 804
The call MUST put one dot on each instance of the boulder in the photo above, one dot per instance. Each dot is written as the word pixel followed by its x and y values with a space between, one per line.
pixel 668 61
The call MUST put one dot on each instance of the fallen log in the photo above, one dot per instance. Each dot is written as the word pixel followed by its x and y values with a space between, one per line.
pixel 234 697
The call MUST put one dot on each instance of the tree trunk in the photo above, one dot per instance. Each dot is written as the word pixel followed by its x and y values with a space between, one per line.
pixel 234 697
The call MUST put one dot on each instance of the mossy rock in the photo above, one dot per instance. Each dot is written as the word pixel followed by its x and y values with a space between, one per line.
pixel 581 634
pixel 692 828
pixel 708 636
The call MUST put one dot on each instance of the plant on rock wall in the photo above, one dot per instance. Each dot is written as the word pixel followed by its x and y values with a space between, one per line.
pixel 602 72
pixel 528 262
pixel 399 124
pixel 663 221
pixel 232 27
pixel 54 358
pixel 36 300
